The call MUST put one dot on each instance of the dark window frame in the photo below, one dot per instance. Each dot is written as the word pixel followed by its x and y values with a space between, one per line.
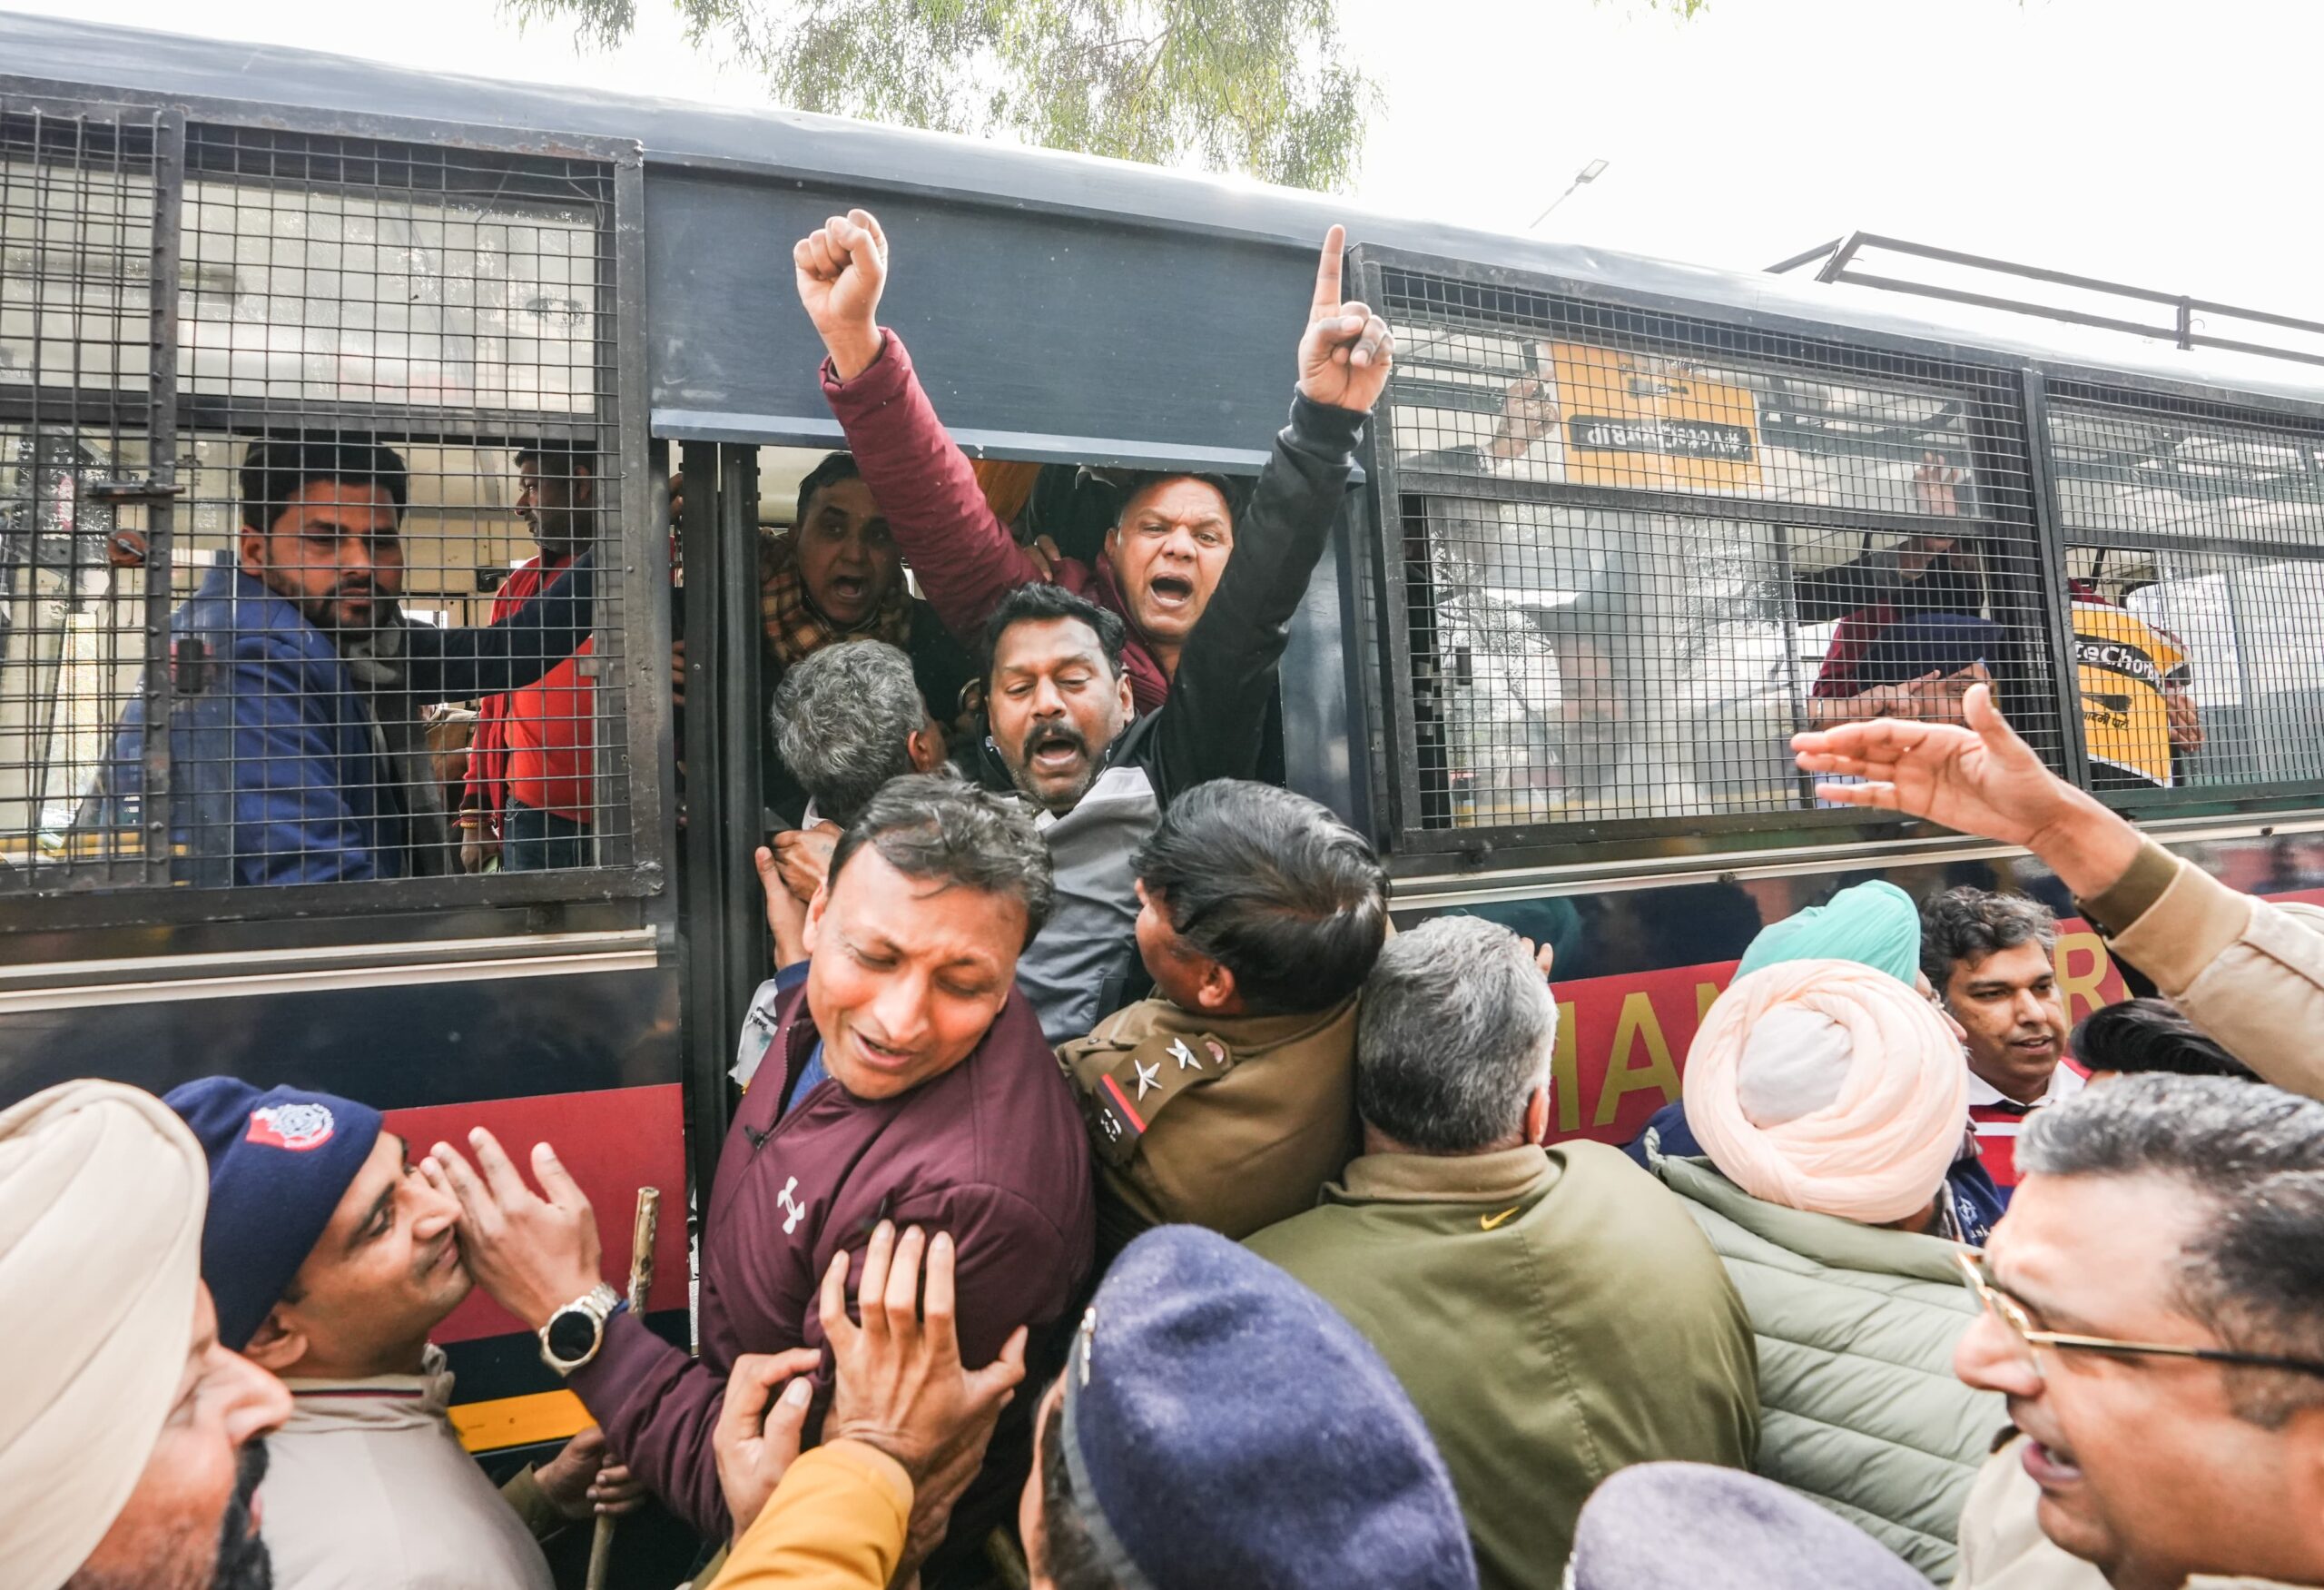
pixel 2008 429
pixel 634 529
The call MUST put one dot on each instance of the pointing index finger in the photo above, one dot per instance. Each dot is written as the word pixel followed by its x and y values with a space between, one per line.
pixel 1327 271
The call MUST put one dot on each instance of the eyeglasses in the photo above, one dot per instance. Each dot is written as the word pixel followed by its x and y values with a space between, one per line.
pixel 2011 1313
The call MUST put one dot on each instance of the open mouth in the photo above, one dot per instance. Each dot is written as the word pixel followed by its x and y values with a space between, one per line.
pixel 879 1056
pixel 2049 1468
pixel 2042 1043
pixel 849 590
pixel 1172 592
pixel 1055 752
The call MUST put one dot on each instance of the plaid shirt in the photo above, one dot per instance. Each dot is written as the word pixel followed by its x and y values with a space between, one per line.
pixel 788 617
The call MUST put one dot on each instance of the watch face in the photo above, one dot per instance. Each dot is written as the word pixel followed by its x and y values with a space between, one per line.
pixel 571 1334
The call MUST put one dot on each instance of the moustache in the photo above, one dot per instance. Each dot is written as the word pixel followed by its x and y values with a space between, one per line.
pixel 1042 736
pixel 427 1258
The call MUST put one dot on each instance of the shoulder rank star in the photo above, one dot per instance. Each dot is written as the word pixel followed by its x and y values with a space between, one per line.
pixel 1183 1055
pixel 1149 1077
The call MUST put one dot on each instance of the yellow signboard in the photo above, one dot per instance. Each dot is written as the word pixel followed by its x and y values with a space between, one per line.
pixel 2121 665
pixel 1647 424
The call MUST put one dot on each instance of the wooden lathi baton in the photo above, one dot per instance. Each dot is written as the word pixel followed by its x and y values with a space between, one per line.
pixel 640 1281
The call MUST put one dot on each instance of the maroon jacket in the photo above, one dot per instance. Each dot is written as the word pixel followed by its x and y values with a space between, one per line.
pixel 994 1151
pixel 964 556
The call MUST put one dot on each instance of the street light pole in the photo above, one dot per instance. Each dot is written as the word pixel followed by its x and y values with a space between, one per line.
pixel 1588 173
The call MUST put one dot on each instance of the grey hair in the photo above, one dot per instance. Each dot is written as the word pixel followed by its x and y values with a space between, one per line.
pixel 2251 1160
pixel 1452 1034
pixel 843 719
pixel 938 828
pixel 1969 925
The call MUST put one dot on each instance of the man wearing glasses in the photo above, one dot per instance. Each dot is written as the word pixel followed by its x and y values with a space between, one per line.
pixel 2153 1310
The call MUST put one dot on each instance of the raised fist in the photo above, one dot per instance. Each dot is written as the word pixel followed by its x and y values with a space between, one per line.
pixel 841 268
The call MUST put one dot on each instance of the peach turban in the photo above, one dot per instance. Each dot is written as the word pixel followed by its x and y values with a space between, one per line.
pixel 1825 1085
pixel 102 1193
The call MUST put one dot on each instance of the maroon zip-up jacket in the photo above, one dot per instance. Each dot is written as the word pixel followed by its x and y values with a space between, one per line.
pixel 994 1151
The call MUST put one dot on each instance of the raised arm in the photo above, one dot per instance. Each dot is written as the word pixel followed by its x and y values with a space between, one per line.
pixel 2246 973
pixel 1213 724
pixel 458 665
pixel 964 556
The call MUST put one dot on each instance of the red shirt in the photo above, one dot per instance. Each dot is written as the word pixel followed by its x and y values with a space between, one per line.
pixel 534 745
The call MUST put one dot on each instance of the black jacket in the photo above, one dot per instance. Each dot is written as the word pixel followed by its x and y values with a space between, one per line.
pixel 1214 723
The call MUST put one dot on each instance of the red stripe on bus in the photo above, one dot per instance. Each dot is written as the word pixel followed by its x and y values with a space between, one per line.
pixel 613 1142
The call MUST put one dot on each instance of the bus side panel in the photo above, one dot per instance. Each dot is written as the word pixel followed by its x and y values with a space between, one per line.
pixel 392 1045
pixel 1017 321
pixel 1636 969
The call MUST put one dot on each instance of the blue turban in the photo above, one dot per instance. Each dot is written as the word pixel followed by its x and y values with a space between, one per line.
pixel 1874 924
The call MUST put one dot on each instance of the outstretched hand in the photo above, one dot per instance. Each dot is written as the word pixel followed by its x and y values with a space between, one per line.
pixel 1346 351
pixel 1980 779
pixel 841 267
pixel 531 1255
pixel 902 1386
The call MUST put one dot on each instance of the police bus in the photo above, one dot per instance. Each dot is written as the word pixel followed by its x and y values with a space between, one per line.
pixel 1609 551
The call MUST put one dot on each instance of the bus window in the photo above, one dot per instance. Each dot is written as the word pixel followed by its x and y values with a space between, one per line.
pixel 2196 558
pixel 70 636
pixel 1633 570
pixel 377 291
pixel 343 622
pixel 830 572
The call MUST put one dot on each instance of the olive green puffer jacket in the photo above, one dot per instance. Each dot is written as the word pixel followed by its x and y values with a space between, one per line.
pixel 1859 1408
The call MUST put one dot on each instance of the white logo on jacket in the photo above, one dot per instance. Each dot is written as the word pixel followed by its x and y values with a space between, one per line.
pixel 784 1200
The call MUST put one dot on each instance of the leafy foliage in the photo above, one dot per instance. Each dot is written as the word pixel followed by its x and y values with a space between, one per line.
pixel 1260 86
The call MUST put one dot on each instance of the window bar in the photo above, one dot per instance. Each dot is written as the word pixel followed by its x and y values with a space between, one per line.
pixel 160 677
pixel 2057 600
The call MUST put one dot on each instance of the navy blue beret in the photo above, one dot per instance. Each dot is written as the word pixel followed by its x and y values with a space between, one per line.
pixel 1224 1425
pixel 1681 1525
pixel 279 1161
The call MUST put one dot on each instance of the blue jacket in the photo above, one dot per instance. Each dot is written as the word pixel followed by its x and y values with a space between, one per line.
pixel 278 772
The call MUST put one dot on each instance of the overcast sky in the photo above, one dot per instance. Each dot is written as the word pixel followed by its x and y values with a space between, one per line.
pixel 2164 142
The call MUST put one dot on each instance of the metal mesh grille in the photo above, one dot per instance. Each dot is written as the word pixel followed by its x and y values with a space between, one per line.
pixel 388 376
pixel 2196 547
pixel 76 252
pixel 1641 550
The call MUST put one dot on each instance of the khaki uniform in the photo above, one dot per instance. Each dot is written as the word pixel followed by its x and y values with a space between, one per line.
pixel 1232 1122
pixel 368 1488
